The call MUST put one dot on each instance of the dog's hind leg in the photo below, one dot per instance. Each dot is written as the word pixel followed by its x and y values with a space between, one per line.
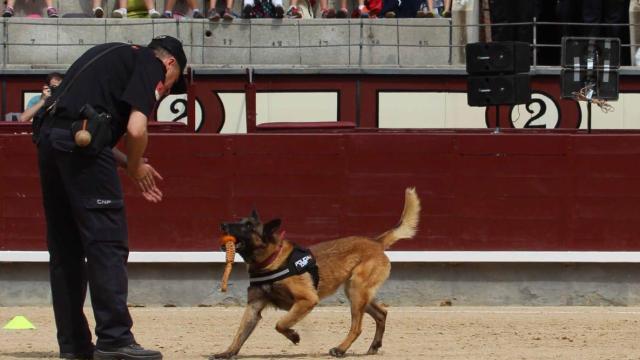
pixel 359 297
pixel 304 302
pixel 361 288
pixel 379 314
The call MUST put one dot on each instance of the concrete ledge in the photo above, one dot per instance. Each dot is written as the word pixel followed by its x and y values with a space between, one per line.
pixel 257 42
pixel 410 284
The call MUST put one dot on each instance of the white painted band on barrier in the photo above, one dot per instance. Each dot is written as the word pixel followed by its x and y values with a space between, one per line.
pixel 394 256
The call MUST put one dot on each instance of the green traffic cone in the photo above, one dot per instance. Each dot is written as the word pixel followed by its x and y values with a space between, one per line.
pixel 19 323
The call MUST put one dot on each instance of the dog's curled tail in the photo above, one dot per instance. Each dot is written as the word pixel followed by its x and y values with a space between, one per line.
pixel 408 224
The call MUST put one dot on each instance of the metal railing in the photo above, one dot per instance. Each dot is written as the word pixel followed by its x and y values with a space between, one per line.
pixel 362 36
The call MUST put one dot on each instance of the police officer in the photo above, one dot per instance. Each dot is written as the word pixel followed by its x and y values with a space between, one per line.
pixel 82 194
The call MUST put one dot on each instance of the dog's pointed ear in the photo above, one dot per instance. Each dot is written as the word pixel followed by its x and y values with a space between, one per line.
pixel 254 215
pixel 270 228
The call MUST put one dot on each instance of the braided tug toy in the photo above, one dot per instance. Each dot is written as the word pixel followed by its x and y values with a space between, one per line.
pixel 229 242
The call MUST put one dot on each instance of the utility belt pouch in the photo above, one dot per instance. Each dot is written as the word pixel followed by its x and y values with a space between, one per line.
pixel 92 133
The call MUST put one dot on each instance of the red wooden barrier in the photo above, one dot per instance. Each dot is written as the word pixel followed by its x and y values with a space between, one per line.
pixel 518 190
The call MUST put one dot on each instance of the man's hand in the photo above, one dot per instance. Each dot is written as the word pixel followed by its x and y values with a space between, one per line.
pixel 145 177
pixel 46 92
pixel 142 174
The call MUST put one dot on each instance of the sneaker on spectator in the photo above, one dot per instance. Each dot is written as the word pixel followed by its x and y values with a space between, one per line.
pixel 390 14
pixel 446 14
pixel 8 12
pixel 154 14
pixel 197 14
pixel 119 13
pixel 247 12
pixel 430 14
pixel 98 12
pixel 328 13
pixel 213 15
pixel 342 13
pixel 167 15
pixel 52 12
pixel 422 11
pixel 294 13
pixel 228 14
pixel 360 13
pixel 279 12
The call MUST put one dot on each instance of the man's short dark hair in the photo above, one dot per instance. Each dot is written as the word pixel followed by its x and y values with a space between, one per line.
pixel 54 75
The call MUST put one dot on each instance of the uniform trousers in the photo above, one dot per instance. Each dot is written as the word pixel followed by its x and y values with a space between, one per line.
pixel 86 239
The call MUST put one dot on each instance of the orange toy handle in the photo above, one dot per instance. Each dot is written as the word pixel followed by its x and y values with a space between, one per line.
pixel 230 244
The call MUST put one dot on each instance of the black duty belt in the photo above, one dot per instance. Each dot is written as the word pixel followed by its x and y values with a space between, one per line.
pixel 300 261
pixel 60 122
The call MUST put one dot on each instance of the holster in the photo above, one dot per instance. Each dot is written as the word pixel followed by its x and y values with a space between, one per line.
pixel 98 125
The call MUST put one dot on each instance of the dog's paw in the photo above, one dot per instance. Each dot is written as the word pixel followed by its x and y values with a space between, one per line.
pixel 335 352
pixel 224 355
pixel 374 348
pixel 293 336
pixel 290 334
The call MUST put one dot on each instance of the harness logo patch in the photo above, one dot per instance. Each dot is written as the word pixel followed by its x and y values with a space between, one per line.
pixel 302 263
pixel 103 202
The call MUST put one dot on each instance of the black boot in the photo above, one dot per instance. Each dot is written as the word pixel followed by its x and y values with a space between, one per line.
pixel 129 352
pixel 81 356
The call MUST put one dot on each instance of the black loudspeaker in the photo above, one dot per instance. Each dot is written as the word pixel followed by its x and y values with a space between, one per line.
pixel 604 84
pixel 590 53
pixel 498 57
pixel 498 90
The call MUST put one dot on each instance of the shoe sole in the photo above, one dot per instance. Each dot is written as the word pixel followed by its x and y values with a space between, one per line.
pixel 279 12
pixel 106 355
pixel 99 13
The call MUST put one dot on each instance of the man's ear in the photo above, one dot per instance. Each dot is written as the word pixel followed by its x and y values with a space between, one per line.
pixel 270 228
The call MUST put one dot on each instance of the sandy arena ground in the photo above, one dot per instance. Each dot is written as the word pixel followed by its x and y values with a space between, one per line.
pixel 412 333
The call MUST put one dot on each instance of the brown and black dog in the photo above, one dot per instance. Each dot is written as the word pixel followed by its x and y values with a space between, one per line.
pixel 357 262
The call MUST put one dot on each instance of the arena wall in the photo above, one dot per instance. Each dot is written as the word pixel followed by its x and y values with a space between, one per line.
pixel 540 213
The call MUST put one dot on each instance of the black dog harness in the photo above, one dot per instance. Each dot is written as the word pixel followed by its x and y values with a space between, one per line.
pixel 300 261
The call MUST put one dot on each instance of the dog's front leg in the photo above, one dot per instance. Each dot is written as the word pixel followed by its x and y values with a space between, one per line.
pixel 256 303
pixel 301 307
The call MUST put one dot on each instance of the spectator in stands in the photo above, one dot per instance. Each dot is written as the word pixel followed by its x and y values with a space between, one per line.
pixel 326 12
pixel 294 12
pixel 367 9
pixel 263 9
pixel 227 13
pixel 431 8
pixel 608 12
pixel 136 9
pixel 193 6
pixel 511 11
pixel 553 11
pixel 52 12
pixel 35 104
pixel 400 8
pixel 98 11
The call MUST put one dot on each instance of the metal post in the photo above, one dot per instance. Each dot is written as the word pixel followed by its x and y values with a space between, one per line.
pixel 191 101
pixel 497 130
pixel 535 43
pixel 250 101
pixel 589 116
